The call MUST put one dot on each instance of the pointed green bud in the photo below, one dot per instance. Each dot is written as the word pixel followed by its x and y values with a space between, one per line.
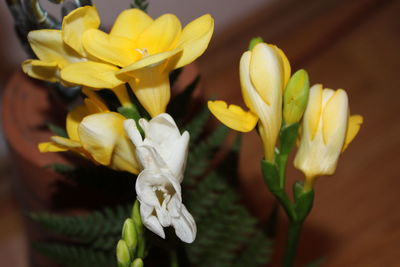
pixel 123 257
pixel 254 41
pixel 304 200
pixel 137 263
pixel 296 97
pixel 137 218
pixel 130 236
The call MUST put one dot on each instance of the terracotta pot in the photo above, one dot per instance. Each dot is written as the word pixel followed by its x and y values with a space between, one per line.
pixel 27 106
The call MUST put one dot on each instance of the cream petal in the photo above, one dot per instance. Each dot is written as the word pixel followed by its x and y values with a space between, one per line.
pixel 194 40
pixel 266 72
pixel 313 111
pixel 150 221
pixel 335 119
pixel 185 226
pixel 49 47
pixel 130 23
pixel 162 35
pixel 99 134
pixel 92 74
pixel 46 71
pixel 76 23
pixel 112 49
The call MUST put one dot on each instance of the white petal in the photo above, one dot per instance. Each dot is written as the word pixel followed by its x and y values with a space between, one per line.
pixel 133 132
pixel 144 187
pixel 151 222
pixel 149 158
pixel 185 226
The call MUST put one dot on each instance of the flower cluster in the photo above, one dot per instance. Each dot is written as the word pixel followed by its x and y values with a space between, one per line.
pixel 141 52
pixel 273 98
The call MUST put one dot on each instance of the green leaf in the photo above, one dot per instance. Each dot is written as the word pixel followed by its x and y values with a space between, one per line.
pixel 271 175
pixel 141 4
pixel 129 112
pixel 57 130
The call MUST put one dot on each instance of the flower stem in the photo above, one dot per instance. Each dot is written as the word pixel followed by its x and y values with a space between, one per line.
pixel 292 243
pixel 174 258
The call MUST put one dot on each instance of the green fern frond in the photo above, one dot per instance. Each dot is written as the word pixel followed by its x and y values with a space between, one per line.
pixel 178 107
pixel 95 228
pixel 76 256
pixel 141 4
pixel 196 126
pixel 201 153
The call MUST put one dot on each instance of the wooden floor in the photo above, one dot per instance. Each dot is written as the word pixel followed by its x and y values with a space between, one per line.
pixel 343 44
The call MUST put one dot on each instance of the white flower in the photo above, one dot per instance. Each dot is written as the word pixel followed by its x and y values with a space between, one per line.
pixel 162 155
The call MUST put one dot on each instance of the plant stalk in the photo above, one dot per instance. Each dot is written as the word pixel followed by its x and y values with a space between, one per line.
pixel 292 243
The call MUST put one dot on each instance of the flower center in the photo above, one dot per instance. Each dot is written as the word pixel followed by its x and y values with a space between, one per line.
pixel 144 52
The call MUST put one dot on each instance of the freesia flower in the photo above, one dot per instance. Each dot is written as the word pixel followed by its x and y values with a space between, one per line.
pixel 162 154
pixel 264 73
pixel 97 134
pixel 327 130
pixel 142 52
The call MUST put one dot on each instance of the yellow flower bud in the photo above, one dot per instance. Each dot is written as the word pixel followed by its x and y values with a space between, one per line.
pixel 324 130
pixel 296 97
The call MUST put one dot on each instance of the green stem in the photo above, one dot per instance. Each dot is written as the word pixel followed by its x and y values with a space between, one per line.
pixel 292 243
pixel 174 259
pixel 286 204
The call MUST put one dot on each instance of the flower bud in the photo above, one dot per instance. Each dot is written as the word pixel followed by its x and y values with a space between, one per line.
pixel 123 257
pixel 296 97
pixel 255 41
pixel 326 130
pixel 129 235
pixel 137 263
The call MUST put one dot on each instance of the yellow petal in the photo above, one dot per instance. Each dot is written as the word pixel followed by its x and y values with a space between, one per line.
pixel 233 116
pixel 162 35
pixel 353 128
pixel 51 147
pixel 93 102
pixel 76 23
pixel 130 23
pixel 116 50
pixel 67 143
pixel 46 71
pixel 152 62
pixel 91 74
pixel 195 39
pixel 152 89
pixel 49 47
pixel 335 119
pixel 286 67
pixel 313 111
pixel 75 117
pixel 266 72
pixel 99 134
pixel 124 156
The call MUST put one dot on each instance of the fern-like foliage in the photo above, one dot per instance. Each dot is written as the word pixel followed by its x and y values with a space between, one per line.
pixel 98 230
pixel 141 4
pixel 76 256
pixel 227 233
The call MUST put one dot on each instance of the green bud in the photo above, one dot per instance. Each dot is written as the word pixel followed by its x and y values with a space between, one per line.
pixel 254 41
pixel 130 236
pixel 296 97
pixel 123 257
pixel 137 218
pixel 137 263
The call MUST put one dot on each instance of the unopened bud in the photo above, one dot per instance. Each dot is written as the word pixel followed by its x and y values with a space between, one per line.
pixel 130 236
pixel 137 263
pixel 123 257
pixel 137 218
pixel 296 97
pixel 255 41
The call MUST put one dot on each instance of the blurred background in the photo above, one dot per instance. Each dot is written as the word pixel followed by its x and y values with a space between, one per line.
pixel 343 44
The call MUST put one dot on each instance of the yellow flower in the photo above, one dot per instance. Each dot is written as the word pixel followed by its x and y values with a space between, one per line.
pixel 327 130
pixel 97 134
pixel 52 50
pixel 142 52
pixel 264 73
